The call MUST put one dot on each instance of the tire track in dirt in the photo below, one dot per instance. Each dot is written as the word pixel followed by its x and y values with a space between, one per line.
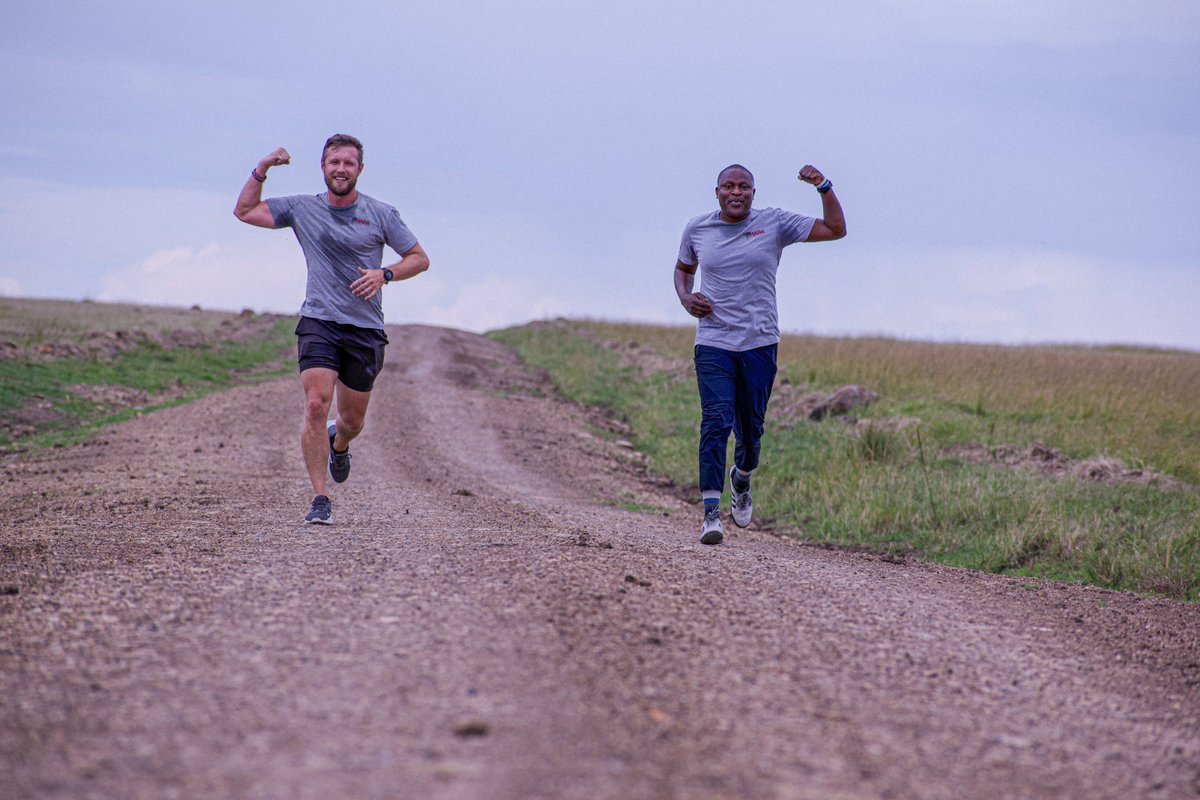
pixel 481 621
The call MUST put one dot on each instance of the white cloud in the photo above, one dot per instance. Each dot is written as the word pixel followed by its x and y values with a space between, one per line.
pixel 10 287
pixel 478 306
pixel 265 277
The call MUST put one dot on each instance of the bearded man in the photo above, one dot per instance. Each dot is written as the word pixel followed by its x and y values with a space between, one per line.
pixel 340 336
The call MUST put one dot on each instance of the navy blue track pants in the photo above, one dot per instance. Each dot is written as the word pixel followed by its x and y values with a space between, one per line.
pixel 734 390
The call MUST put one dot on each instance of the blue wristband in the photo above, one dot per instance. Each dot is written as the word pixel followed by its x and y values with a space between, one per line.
pixel 825 186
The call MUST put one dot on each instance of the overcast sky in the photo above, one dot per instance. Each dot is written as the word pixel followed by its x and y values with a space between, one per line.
pixel 1011 172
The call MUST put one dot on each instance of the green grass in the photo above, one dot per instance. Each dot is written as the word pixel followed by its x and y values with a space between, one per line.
pixel 639 508
pixel 39 393
pixel 900 491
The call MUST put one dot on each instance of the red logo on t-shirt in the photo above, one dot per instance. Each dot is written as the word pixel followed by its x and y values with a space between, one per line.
pixel 758 232
pixel 361 221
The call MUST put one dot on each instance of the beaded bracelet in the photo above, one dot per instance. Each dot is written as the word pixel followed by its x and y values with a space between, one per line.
pixel 825 186
pixel 254 174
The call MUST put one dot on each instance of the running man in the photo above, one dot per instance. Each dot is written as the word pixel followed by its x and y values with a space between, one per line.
pixel 737 250
pixel 340 334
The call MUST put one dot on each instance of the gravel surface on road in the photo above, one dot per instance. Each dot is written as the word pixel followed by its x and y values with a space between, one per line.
pixel 508 607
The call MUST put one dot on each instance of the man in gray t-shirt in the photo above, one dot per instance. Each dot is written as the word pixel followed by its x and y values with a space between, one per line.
pixel 340 334
pixel 737 250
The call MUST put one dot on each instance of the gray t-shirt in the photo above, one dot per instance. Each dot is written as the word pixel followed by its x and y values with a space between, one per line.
pixel 336 242
pixel 738 262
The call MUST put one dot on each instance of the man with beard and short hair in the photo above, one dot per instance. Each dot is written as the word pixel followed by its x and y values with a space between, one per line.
pixel 737 249
pixel 340 335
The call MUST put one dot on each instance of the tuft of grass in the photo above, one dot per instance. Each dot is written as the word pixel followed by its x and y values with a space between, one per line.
pixel 877 445
pixel 901 490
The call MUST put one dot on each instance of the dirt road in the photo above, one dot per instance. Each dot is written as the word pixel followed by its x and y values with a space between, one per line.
pixel 485 621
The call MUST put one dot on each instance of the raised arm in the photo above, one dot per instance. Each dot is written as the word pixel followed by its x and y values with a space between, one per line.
pixel 832 224
pixel 251 208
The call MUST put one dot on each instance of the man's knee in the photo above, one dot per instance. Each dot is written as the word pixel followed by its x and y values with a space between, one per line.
pixel 351 423
pixel 316 402
pixel 714 430
pixel 316 408
pixel 717 413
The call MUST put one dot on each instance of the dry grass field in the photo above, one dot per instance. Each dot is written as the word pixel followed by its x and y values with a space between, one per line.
pixel 1067 462
pixel 28 321
pixel 69 368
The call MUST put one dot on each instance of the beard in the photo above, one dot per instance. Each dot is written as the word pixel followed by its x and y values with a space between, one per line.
pixel 350 184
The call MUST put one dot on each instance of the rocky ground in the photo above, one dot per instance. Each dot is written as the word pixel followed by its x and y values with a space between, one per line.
pixel 487 619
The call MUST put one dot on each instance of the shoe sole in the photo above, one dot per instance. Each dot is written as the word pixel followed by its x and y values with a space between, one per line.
pixel 712 537
pixel 319 521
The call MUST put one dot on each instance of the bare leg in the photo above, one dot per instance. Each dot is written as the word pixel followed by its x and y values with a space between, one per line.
pixel 351 415
pixel 318 384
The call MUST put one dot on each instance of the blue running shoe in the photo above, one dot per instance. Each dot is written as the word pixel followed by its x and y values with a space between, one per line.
pixel 339 463
pixel 321 513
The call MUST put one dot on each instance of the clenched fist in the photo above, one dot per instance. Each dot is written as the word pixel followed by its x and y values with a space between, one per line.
pixel 279 157
pixel 810 174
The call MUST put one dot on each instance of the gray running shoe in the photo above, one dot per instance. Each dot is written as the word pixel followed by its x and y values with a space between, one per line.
pixel 339 463
pixel 321 513
pixel 710 529
pixel 743 506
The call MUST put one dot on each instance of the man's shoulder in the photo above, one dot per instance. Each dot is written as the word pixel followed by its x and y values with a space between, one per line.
pixel 771 213
pixel 296 200
pixel 367 202
pixel 701 220
pixel 302 198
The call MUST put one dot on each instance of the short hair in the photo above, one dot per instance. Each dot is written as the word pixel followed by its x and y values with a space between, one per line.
pixel 734 166
pixel 343 140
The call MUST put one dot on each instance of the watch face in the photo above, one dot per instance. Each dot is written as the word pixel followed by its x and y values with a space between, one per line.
pixel 387 275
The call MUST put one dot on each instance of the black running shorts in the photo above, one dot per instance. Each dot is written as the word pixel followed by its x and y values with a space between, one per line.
pixel 354 353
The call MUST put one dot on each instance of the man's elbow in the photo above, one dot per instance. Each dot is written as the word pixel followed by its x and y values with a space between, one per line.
pixel 834 230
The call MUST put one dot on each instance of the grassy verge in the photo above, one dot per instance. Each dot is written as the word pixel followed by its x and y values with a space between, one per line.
pixel 904 491
pixel 66 400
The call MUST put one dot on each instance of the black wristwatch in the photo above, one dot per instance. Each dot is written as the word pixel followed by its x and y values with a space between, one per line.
pixel 387 275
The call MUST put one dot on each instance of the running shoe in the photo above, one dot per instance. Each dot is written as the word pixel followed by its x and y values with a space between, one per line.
pixel 710 529
pixel 339 463
pixel 321 513
pixel 743 506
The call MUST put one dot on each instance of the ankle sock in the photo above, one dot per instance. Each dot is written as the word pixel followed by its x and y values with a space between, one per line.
pixel 740 480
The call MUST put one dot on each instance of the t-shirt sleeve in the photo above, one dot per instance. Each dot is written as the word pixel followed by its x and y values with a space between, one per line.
pixel 281 210
pixel 687 247
pixel 396 233
pixel 794 228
